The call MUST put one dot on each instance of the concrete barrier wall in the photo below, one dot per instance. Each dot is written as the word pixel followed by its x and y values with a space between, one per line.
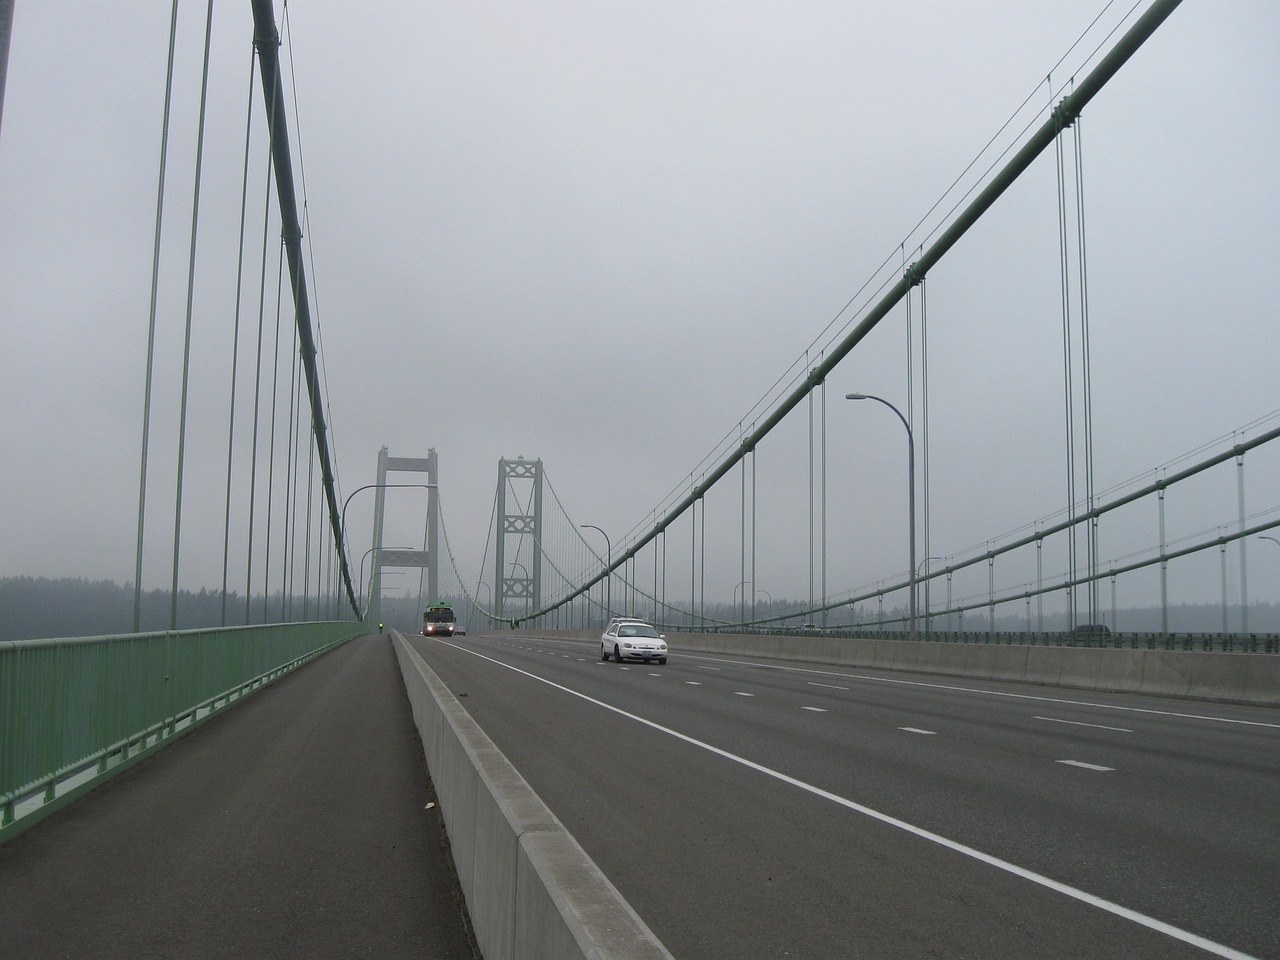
pixel 531 890
pixel 1251 678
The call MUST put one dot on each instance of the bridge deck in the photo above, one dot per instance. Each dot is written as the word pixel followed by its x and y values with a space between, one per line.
pixel 294 825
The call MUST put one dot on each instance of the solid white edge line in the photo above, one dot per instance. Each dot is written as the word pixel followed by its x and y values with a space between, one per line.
pixel 1089 899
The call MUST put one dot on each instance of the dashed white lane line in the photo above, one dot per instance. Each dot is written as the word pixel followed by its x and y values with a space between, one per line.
pixel 739 693
pixel 1086 766
pixel 814 709
pixel 1077 723
pixel 998 693
pixel 1100 903
pixel 693 683
pixel 927 733
pixel 829 686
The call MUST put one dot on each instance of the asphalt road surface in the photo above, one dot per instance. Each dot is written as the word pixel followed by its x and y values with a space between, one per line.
pixel 762 809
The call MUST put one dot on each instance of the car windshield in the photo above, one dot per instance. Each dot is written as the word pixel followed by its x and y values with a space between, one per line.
pixel 637 630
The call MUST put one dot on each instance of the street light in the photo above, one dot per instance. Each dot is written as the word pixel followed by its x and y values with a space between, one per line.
pixel 928 613
pixel 1263 536
pixel 366 557
pixel 911 498
pixel 342 527
pixel 608 576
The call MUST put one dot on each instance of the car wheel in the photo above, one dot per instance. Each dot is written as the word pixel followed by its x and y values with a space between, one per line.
pixel 663 661
pixel 604 654
pixel 617 654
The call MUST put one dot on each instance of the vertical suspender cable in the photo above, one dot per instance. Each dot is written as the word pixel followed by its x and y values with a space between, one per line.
pixel 812 483
pixel 235 338
pixel 924 422
pixel 754 501
pixel 151 325
pixel 271 443
pixel 306 556
pixel 702 573
pixel 186 346
pixel 1069 398
pixel 1086 376
pixel 286 586
pixel 911 378
pixel 823 406
pixel 1244 559
pixel 693 565
pixel 742 554
pixel 257 401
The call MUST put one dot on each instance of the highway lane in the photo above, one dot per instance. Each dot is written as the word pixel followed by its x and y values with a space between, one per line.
pixel 777 845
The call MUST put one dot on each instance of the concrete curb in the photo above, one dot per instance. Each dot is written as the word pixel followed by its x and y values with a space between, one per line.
pixel 532 891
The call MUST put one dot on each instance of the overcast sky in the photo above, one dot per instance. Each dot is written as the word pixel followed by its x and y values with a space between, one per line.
pixel 598 233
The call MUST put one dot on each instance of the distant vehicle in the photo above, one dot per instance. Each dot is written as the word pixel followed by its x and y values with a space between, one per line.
pixel 811 628
pixel 627 639
pixel 1092 630
pixel 438 621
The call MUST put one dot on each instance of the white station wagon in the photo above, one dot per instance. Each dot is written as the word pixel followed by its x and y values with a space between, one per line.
pixel 632 640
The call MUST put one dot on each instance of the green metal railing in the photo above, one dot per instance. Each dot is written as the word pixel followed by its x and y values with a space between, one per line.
pixel 73 711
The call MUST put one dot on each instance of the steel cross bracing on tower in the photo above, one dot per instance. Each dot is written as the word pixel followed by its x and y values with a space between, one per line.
pixel 523 523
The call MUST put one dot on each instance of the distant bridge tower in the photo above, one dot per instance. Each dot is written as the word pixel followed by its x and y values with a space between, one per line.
pixel 518 556
pixel 427 558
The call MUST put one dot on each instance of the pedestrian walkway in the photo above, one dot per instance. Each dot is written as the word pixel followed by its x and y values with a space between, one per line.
pixel 299 823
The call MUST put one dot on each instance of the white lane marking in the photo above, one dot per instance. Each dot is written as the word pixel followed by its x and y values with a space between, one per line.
pixel 701 667
pixel 814 709
pixel 1151 923
pixel 739 693
pixel 829 686
pixel 1086 766
pixel 693 683
pixel 1077 723
pixel 927 733
pixel 991 693
pixel 655 674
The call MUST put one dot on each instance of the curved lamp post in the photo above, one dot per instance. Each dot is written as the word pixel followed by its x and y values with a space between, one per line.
pixel 362 560
pixel 911 498
pixel 372 486
pixel 608 577
pixel 1263 536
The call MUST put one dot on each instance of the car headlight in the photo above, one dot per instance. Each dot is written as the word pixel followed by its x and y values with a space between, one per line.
pixel 628 645
pixel 662 646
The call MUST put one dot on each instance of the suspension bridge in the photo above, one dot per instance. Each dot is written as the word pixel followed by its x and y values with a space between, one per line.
pixel 913 596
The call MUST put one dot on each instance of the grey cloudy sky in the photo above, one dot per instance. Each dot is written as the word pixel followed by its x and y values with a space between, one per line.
pixel 597 233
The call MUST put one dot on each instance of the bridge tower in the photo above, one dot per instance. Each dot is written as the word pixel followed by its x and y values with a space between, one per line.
pixel 519 536
pixel 428 557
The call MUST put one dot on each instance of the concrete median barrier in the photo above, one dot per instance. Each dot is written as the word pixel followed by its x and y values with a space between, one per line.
pixel 531 890
pixel 1248 678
